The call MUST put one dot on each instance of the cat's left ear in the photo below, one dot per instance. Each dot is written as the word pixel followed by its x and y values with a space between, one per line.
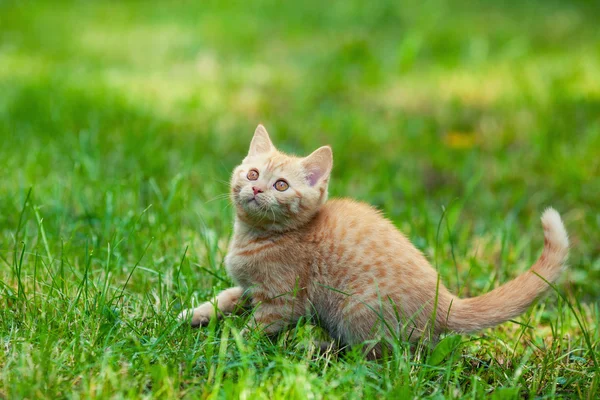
pixel 261 142
pixel 318 165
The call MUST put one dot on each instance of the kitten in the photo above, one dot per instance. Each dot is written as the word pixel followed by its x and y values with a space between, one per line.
pixel 294 254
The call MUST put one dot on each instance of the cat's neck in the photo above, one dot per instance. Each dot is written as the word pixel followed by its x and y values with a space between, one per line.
pixel 242 230
pixel 245 229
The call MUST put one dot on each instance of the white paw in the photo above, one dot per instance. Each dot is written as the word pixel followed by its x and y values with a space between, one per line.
pixel 199 316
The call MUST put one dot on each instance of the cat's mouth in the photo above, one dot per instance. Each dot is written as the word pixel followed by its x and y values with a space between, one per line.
pixel 253 202
pixel 255 205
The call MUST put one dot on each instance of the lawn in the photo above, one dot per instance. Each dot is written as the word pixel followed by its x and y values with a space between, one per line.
pixel 120 123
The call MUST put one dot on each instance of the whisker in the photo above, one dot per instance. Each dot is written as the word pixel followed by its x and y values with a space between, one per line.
pixel 223 182
pixel 218 197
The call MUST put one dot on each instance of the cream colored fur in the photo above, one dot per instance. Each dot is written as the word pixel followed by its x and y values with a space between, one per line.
pixel 341 263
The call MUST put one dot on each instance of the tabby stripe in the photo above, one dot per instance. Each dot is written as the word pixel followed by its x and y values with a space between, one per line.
pixel 256 250
pixel 267 319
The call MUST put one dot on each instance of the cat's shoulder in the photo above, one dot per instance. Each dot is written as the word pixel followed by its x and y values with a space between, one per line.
pixel 348 208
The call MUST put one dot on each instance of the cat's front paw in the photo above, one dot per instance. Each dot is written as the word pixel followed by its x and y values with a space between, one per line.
pixel 199 316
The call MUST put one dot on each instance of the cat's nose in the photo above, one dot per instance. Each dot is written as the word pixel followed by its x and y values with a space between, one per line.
pixel 256 190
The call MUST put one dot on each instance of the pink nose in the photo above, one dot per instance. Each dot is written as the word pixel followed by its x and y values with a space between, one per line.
pixel 256 190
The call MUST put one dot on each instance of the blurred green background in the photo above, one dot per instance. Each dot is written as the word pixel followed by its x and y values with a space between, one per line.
pixel 126 118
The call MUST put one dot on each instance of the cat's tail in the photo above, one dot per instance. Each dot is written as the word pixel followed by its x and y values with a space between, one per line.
pixel 514 297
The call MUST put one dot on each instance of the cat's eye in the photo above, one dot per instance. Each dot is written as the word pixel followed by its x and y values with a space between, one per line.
pixel 281 185
pixel 252 175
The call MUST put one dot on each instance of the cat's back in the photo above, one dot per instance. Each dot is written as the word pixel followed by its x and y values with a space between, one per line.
pixel 351 208
pixel 351 214
pixel 345 227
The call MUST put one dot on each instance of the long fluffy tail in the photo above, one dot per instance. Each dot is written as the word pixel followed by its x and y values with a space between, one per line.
pixel 514 297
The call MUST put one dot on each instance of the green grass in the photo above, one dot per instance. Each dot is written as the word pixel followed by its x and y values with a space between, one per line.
pixel 121 121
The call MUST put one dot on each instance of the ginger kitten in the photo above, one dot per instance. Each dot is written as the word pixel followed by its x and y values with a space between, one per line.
pixel 341 263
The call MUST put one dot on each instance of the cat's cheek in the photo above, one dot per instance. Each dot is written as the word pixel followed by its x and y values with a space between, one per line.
pixel 295 206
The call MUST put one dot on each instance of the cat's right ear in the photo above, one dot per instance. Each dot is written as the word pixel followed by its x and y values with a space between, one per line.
pixel 318 165
pixel 261 143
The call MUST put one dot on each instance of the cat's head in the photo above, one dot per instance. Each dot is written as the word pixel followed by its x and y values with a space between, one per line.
pixel 274 191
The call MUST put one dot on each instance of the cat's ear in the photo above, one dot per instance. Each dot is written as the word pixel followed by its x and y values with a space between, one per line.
pixel 261 143
pixel 318 165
